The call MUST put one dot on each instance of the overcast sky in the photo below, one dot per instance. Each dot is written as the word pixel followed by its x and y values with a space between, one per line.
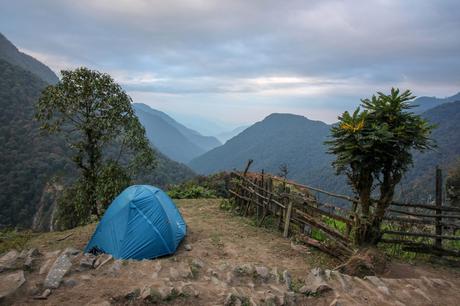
pixel 237 61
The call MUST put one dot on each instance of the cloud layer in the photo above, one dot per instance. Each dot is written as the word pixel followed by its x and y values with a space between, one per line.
pixel 239 60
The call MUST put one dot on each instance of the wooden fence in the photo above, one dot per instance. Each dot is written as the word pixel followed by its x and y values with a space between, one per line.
pixel 295 209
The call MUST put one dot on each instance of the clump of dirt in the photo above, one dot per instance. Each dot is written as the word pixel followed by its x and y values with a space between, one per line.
pixel 367 262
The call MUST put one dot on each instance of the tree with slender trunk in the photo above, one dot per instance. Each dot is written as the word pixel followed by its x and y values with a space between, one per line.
pixel 373 148
pixel 95 116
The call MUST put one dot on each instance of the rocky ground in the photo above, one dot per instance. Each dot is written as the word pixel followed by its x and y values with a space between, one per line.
pixel 224 260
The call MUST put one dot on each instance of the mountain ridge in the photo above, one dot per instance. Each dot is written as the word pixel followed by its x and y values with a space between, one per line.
pixel 11 54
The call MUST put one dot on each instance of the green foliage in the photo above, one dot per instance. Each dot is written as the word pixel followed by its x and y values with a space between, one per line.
pixel 28 160
pixel 109 145
pixel 12 239
pixel 377 144
pixel 453 185
pixel 190 191
pixel 211 186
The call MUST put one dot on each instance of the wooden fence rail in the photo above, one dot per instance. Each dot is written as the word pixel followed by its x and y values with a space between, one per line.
pixel 297 211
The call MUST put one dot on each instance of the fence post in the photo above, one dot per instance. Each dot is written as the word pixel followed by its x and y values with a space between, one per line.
pixel 438 241
pixel 288 215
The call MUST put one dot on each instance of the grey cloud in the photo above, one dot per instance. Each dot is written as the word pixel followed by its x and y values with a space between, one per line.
pixel 210 46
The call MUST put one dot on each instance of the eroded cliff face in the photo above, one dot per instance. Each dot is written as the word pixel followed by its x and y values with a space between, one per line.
pixel 44 218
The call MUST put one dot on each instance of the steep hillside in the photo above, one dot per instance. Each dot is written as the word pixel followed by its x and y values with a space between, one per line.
pixel 426 103
pixel 27 159
pixel 204 142
pixel 419 182
pixel 299 143
pixel 168 139
pixel 11 54
pixel 278 139
pixel 30 161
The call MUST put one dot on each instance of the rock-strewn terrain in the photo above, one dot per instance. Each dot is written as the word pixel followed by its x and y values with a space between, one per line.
pixel 223 261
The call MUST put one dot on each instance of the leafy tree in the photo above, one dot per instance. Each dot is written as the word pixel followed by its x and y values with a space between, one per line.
pixel 374 147
pixel 109 144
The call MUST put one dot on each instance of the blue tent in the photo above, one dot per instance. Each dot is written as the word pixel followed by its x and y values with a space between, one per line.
pixel 141 223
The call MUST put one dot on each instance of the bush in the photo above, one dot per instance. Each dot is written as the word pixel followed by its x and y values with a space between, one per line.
pixel 190 191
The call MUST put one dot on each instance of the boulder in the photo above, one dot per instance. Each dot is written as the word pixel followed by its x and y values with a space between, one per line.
pixel 188 247
pixel 60 268
pixel 9 260
pixel 45 294
pixel 10 282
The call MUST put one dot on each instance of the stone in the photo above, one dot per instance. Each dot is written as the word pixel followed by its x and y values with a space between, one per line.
pixel 60 268
pixel 287 279
pixel 98 302
pixel 52 254
pixel 232 300
pixel 115 268
pixel 9 260
pixel 46 266
pixel 11 282
pixel 262 273
pixel 33 289
pixel 197 263
pixel 33 252
pixel 165 291
pixel 86 277
pixel 244 270
pixel 132 295
pixel 275 275
pixel 316 283
pixel 70 282
pixel 289 299
pixel 189 290
pixel 188 247
pixel 28 262
pixel 173 273
pixel 229 277
pixel 71 251
pixel 45 294
pixel 270 299
pixel 337 302
pixel 150 295
pixel 87 261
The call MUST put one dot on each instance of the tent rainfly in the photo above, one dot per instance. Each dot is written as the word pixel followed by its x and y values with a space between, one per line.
pixel 141 223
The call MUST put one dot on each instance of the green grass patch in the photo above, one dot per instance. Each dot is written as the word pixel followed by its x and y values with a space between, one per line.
pixel 12 239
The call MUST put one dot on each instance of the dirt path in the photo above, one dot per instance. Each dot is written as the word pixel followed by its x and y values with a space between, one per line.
pixel 222 247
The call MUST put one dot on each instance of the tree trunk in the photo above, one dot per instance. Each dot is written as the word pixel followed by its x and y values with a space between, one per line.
pixel 363 221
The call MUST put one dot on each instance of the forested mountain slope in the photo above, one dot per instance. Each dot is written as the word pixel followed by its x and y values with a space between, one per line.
pixel 206 143
pixel 28 159
pixel 32 164
pixel 299 143
pixel 419 183
pixel 278 139
pixel 11 54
